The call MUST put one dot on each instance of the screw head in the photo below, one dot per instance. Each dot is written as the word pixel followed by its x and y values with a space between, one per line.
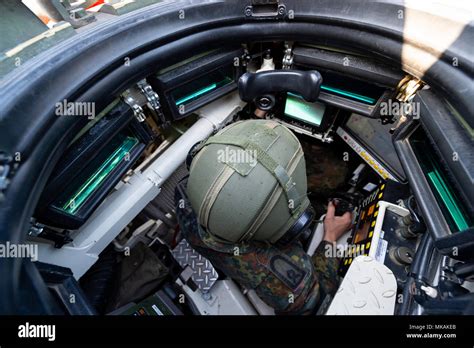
pixel 281 10
pixel 264 101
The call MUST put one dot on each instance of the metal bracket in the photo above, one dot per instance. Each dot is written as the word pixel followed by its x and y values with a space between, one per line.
pixel 151 96
pixel 407 88
pixel 288 56
pixel 36 228
pixel 73 13
pixel 59 239
pixel 325 137
pixel 266 9
pixel 153 100
pixel 137 109
pixel 449 273
pixel 246 57
pixel 148 233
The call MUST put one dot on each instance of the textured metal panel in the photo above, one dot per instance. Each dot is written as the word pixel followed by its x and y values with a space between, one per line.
pixel 369 288
pixel 204 274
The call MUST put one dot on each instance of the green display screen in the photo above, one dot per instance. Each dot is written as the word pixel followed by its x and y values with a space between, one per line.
pixel 202 86
pixel 197 94
pixel 83 189
pixel 298 108
pixel 436 176
pixel 350 88
pixel 352 95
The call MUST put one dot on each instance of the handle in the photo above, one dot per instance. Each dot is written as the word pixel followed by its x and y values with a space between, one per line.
pixel 303 83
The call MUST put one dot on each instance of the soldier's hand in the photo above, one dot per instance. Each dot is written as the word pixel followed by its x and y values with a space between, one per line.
pixel 335 226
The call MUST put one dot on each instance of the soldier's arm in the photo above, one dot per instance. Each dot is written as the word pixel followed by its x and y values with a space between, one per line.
pixel 335 226
pixel 325 260
pixel 326 264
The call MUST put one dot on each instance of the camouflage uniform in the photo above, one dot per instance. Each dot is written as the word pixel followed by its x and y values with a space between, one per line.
pixel 286 278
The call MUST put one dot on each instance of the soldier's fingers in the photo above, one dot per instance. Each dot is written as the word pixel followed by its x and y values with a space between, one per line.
pixel 347 217
pixel 331 210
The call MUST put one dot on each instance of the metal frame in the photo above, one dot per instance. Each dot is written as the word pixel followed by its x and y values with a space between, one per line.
pixel 90 67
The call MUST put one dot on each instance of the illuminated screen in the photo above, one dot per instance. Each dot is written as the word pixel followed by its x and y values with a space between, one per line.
pixel 363 227
pixel 96 172
pixel 362 233
pixel 202 86
pixel 447 197
pixel 299 109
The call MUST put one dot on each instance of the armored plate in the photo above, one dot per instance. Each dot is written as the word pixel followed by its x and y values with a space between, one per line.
pixel 369 288
pixel 204 274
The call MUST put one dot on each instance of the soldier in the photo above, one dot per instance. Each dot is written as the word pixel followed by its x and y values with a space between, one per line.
pixel 244 208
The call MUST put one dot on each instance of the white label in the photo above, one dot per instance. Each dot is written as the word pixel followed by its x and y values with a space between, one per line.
pixel 157 310
pixel 369 187
pixel 381 250
pixel 366 156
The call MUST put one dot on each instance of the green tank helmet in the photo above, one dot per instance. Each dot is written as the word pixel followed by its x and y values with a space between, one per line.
pixel 248 182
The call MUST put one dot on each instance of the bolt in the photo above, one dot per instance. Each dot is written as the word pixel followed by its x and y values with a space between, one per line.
pixel 281 10
pixel 264 101
pixel 248 11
